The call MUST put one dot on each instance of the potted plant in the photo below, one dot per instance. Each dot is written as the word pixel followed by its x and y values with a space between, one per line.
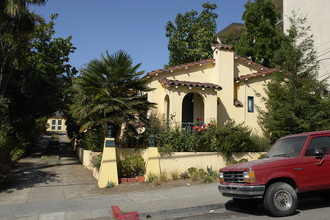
pixel 133 168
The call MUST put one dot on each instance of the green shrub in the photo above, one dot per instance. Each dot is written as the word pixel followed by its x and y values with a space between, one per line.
pixel 211 173
pixel 194 176
pixel 93 140
pixel 5 174
pixel 261 144
pixel 175 175
pixel 201 173
pixel 185 175
pixel 162 176
pixel 156 181
pixel 207 179
pixel 110 184
pixel 241 161
pixel 226 140
pixel 8 143
pixel 151 177
pixel 96 161
pixel 179 140
pixel 192 170
pixel 132 167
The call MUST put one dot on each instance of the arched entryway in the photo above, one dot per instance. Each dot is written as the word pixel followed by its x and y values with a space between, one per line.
pixel 192 108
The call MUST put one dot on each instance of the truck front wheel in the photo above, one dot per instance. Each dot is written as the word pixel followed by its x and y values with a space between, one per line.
pixel 280 199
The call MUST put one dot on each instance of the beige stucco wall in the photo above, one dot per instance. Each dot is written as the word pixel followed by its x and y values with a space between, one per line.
pixel 208 102
pixel 58 126
pixel 180 161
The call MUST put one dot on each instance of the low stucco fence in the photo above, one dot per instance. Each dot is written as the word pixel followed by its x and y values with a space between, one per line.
pixel 181 161
pixel 85 157
pixel 156 162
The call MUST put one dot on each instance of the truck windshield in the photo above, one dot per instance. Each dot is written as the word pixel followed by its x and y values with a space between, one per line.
pixel 287 147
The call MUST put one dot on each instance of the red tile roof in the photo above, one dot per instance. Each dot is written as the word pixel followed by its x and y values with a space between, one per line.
pixel 253 75
pixel 250 62
pixel 261 72
pixel 169 82
pixel 180 67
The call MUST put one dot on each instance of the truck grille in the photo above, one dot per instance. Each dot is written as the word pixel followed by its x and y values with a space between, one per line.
pixel 233 177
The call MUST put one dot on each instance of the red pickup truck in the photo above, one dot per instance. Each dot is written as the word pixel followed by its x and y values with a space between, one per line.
pixel 295 164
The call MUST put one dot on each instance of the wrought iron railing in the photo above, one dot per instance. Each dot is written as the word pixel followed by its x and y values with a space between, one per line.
pixel 188 126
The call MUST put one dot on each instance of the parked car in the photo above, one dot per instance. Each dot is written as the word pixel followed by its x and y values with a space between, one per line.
pixel 296 164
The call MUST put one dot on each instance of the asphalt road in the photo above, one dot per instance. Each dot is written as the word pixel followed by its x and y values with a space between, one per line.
pixel 310 207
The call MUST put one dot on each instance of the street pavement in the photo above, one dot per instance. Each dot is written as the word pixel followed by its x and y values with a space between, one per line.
pixel 68 191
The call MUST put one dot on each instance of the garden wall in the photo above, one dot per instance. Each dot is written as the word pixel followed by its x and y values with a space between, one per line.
pixel 156 162
pixel 85 157
pixel 181 161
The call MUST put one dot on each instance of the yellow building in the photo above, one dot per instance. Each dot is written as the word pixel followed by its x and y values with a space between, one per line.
pixel 222 88
pixel 56 123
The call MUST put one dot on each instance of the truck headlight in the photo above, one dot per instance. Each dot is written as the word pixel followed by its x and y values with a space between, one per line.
pixel 249 176
pixel 221 179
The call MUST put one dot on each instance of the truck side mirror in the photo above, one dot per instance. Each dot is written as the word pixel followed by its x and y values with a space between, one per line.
pixel 318 153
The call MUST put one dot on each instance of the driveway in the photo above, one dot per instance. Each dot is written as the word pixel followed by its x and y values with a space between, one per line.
pixel 36 185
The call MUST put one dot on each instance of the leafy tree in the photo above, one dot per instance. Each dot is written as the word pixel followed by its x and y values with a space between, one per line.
pixel 262 37
pixel 110 92
pixel 295 102
pixel 16 27
pixel 40 76
pixel 37 87
pixel 191 36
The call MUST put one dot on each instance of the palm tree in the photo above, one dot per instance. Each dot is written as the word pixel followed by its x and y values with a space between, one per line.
pixel 13 8
pixel 110 92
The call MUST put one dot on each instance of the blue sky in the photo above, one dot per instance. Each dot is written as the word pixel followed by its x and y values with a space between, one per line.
pixel 136 26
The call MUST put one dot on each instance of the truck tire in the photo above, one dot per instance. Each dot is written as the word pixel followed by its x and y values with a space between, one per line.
pixel 246 204
pixel 280 199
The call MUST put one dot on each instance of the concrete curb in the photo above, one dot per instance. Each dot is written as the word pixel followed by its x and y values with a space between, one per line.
pixel 181 212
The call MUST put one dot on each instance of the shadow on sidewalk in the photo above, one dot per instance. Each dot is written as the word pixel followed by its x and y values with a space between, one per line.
pixel 29 177
pixel 31 171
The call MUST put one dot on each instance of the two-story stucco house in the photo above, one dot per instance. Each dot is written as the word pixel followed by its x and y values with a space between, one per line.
pixel 222 88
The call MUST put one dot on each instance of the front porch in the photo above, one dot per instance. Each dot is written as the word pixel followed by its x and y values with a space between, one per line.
pixel 188 105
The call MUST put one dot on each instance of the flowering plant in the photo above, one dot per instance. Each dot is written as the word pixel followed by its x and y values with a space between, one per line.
pixel 198 127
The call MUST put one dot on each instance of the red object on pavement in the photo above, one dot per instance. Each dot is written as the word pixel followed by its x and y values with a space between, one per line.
pixel 118 214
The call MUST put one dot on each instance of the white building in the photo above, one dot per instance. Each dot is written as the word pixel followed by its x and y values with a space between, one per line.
pixel 318 16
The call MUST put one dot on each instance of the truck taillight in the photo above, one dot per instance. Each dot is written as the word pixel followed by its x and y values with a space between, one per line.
pixel 249 176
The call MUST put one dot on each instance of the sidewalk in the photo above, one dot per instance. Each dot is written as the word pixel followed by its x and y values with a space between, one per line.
pixel 68 191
